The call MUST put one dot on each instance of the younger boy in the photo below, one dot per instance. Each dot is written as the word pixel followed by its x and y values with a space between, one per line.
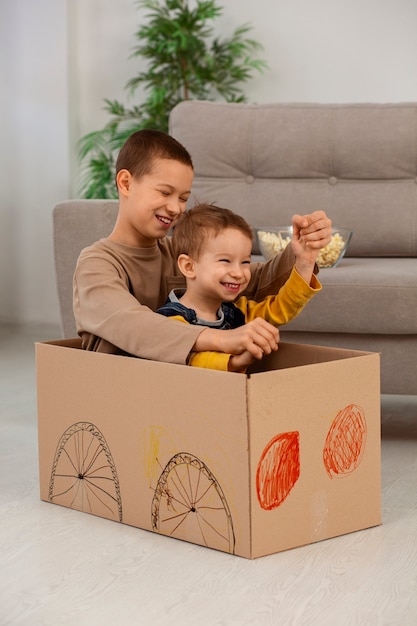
pixel 120 280
pixel 214 246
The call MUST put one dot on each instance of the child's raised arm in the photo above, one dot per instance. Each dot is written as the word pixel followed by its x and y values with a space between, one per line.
pixel 311 233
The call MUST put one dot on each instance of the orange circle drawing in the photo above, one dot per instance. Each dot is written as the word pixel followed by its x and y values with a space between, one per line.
pixel 345 442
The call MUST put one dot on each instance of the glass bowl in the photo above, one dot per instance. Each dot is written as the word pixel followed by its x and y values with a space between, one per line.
pixel 272 240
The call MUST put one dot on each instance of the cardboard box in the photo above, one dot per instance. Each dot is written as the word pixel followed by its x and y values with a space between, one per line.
pixel 248 464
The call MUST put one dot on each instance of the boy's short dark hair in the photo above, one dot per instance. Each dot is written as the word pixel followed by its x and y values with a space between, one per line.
pixel 144 146
pixel 201 222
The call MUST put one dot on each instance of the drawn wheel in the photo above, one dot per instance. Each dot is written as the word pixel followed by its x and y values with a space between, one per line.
pixel 83 473
pixel 189 504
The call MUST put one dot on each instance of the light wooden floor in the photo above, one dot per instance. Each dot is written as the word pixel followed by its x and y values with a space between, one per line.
pixel 59 566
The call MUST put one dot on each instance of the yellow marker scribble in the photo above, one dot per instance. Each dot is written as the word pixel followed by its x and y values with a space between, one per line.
pixel 151 443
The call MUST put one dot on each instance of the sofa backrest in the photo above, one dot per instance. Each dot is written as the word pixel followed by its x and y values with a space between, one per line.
pixel 76 225
pixel 358 162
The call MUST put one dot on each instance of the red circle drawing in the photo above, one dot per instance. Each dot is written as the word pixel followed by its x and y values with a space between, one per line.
pixel 278 470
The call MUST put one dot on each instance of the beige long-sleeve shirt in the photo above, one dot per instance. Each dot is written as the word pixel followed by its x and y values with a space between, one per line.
pixel 118 287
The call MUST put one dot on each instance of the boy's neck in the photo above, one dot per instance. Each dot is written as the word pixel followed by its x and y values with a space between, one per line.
pixel 130 238
pixel 205 309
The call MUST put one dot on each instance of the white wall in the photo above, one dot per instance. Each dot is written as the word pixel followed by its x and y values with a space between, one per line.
pixel 34 152
pixel 61 58
pixel 333 50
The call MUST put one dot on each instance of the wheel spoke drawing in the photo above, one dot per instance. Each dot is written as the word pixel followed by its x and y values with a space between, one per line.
pixel 189 504
pixel 83 473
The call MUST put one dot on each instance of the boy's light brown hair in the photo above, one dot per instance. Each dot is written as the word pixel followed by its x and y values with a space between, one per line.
pixel 141 148
pixel 201 222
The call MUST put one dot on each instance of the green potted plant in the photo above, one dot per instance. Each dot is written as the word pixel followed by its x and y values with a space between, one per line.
pixel 185 61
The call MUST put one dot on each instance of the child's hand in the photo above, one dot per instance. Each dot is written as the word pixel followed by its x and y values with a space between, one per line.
pixel 239 362
pixel 257 337
pixel 311 233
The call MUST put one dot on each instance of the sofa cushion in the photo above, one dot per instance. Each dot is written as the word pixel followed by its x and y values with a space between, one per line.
pixel 363 295
pixel 358 162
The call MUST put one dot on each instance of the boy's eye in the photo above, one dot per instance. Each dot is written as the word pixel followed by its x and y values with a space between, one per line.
pixel 183 199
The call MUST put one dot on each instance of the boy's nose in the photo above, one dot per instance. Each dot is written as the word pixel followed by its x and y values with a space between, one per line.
pixel 236 270
pixel 174 207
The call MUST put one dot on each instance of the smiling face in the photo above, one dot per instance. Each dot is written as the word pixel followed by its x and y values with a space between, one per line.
pixel 151 204
pixel 219 274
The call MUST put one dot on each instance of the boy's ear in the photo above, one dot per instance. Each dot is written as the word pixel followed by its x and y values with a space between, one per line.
pixel 186 265
pixel 123 179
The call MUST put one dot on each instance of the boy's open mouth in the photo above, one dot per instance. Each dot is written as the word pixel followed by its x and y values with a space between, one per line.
pixel 231 286
pixel 166 221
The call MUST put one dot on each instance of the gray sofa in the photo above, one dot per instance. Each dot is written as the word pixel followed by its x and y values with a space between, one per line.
pixel 357 162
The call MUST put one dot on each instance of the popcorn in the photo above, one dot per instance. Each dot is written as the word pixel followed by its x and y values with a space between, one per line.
pixel 273 243
pixel 330 253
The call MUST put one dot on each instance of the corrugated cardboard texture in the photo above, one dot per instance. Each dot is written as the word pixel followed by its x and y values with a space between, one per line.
pixel 228 461
pixel 296 415
pixel 129 421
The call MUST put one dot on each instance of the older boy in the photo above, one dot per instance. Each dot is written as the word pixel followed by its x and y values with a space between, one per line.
pixel 214 247
pixel 120 280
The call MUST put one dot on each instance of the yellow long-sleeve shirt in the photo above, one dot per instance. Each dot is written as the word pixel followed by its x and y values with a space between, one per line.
pixel 278 309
